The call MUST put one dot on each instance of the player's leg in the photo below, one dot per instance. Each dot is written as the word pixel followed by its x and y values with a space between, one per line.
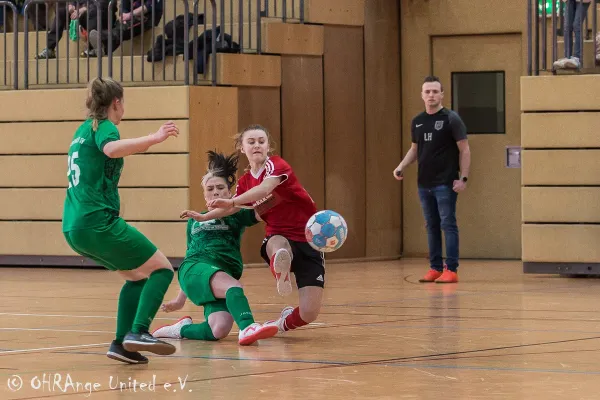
pixel 434 234
pixel 136 258
pixel 224 286
pixel 446 203
pixel 277 252
pixel 195 283
pixel 309 269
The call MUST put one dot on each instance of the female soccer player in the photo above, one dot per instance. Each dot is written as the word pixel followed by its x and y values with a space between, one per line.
pixel 92 226
pixel 213 265
pixel 271 187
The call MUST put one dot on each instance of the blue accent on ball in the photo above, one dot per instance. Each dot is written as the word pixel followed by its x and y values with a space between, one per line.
pixel 319 240
pixel 323 217
pixel 328 230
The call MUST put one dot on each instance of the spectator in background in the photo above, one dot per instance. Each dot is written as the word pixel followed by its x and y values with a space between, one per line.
pixel 135 18
pixel 66 13
pixel 575 14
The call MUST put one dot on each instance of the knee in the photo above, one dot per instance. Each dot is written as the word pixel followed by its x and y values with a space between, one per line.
pixel 220 329
pixel 449 224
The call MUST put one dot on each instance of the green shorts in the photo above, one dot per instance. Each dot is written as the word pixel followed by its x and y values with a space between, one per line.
pixel 117 246
pixel 194 279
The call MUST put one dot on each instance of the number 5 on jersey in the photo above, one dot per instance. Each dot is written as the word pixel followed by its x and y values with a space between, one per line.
pixel 73 171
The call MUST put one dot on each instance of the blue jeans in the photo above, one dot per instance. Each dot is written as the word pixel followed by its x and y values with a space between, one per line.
pixel 439 209
pixel 575 13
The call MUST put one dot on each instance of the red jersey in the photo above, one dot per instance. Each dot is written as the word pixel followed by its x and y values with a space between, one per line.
pixel 289 206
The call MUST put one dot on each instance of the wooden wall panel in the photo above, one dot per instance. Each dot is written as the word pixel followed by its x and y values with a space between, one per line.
pixel 553 130
pixel 345 169
pixel 292 39
pixel 554 93
pixel 258 106
pixel 213 123
pixel 335 12
pixel 152 170
pixel 560 167
pixel 248 70
pixel 561 243
pixel 55 137
pixel 159 102
pixel 561 204
pixel 383 144
pixel 46 238
pixel 302 122
pixel 137 204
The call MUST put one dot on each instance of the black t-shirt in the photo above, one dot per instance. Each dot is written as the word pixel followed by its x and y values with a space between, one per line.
pixel 438 155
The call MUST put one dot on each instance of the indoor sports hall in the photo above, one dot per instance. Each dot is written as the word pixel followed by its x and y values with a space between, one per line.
pixel 344 88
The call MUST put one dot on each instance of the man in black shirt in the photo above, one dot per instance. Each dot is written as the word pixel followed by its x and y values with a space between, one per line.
pixel 439 143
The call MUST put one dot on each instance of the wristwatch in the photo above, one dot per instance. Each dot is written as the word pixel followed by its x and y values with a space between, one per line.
pixel 464 179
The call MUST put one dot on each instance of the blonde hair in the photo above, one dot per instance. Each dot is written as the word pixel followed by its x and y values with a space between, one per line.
pixel 102 92
pixel 239 137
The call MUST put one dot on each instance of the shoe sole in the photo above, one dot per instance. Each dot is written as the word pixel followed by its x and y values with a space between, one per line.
pixel 282 264
pixel 164 326
pixel 263 333
pixel 123 359
pixel 162 349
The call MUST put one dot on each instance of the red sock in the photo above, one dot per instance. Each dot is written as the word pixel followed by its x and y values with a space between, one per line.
pixel 293 320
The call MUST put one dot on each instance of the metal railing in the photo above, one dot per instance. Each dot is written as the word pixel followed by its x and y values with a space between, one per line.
pixel 542 34
pixel 15 69
pixel 213 27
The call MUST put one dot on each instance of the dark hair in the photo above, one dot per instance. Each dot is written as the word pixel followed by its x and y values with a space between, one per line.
pixel 221 166
pixel 101 93
pixel 433 78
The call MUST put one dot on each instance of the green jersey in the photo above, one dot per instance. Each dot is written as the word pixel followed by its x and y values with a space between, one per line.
pixel 92 196
pixel 217 242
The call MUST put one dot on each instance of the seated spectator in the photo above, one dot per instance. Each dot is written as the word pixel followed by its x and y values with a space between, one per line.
pixel 575 14
pixel 61 19
pixel 136 18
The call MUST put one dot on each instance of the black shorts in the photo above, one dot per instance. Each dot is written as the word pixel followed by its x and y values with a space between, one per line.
pixel 308 264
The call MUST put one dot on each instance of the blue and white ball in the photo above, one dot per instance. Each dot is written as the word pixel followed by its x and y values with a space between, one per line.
pixel 326 231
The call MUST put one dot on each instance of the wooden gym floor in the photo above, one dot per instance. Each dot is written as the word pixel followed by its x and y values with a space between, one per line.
pixel 498 334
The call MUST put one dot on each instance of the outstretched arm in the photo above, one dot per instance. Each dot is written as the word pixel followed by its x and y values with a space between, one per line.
pixel 213 214
pixel 126 147
pixel 256 193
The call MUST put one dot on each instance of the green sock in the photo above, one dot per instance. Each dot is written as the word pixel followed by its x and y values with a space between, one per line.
pixel 238 306
pixel 198 332
pixel 128 305
pixel 151 299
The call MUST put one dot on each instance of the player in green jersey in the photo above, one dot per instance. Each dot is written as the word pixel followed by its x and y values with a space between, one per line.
pixel 210 272
pixel 93 228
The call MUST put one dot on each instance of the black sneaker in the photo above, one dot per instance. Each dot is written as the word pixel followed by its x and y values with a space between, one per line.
pixel 117 352
pixel 147 342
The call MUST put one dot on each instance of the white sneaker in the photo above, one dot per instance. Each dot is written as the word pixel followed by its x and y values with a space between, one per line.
pixel 282 265
pixel 280 323
pixel 172 331
pixel 573 63
pixel 560 63
pixel 256 332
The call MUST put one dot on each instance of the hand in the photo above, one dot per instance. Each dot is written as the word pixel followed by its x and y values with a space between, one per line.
pixel 166 130
pixel 196 216
pixel 459 185
pixel 126 17
pixel 220 203
pixel 398 174
pixel 172 305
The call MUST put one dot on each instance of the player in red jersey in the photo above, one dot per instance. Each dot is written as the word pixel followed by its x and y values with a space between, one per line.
pixel 270 186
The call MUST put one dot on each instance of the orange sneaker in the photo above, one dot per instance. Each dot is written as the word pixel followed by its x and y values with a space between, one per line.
pixel 447 277
pixel 431 276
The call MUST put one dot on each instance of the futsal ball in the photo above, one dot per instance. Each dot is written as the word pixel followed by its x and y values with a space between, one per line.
pixel 326 231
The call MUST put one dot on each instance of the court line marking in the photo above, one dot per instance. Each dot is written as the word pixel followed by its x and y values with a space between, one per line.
pixel 80 346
